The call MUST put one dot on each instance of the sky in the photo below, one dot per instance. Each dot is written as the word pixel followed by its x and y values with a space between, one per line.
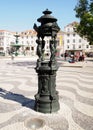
pixel 20 15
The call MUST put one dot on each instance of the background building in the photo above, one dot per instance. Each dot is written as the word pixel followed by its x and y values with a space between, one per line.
pixel 6 39
pixel 68 41
pixel 73 42
pixel 29 45
pixel 27 40
pixel 60 45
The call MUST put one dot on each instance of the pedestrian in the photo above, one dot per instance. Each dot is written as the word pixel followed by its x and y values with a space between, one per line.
pixel 65 55
pixel 83 57
pixel 12 57
pixel 72 59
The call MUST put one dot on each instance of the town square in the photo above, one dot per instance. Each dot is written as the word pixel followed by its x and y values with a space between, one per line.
pixel 46 65
pixel 18 85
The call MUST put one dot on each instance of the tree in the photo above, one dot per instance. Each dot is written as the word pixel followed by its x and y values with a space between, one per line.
pixel 84 11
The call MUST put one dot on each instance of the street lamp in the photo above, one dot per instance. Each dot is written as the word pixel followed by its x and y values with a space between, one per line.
pixel 46 99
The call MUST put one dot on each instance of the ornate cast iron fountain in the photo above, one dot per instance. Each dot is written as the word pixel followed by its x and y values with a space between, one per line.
pixel 46 99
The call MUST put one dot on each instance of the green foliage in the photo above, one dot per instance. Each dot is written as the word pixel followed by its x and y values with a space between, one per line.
pixel 84 11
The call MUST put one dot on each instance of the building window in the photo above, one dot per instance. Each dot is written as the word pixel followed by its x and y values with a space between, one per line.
pixel 91 46
pixel 74 35
pixel 32 48
pixel 68 41
pixel 67 46
pixel 87 46
pixel 73 40
pixel 68 34
pixel 79 46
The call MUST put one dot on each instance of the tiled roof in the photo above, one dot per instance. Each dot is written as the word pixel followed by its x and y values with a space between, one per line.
pixel 28 33
pixel 72 24
pixel 6 31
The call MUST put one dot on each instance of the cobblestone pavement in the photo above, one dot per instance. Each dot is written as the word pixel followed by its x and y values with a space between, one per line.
pixel 18 85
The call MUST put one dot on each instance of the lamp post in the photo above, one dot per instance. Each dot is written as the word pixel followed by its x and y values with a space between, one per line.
pixel 46 99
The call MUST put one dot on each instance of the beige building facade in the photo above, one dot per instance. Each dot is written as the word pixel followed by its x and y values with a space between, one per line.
pixel 6 39
pixel 68 40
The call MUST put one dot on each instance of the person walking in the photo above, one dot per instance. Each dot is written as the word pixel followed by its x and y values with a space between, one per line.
pixel 12 57
pixel 65 55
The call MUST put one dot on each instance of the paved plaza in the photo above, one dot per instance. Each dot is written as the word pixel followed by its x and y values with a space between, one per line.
pixel 18 85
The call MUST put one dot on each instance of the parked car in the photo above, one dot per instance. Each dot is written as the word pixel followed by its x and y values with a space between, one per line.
pixel 90 54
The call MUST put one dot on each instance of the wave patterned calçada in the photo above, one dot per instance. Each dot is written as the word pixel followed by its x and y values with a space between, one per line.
pixel 18 85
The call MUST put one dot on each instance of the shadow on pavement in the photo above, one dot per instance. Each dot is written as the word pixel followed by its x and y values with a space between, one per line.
pixel 24 101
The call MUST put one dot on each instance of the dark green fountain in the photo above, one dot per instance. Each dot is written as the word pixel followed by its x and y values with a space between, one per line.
pixel 46 99
pixel 15 47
